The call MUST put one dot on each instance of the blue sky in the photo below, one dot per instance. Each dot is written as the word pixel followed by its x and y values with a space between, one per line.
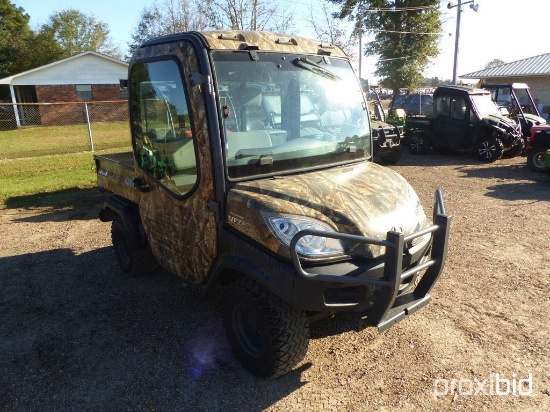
pixel 501 29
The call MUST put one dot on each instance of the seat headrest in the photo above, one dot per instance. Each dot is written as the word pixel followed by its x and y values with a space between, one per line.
pixel 252 96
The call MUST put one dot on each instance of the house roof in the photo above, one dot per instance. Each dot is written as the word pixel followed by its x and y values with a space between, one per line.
pixel 531 66
pixel 59 63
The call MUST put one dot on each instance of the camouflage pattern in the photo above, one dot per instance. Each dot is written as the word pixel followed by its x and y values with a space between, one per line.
pixel 240 40
pixel 115 172
pixel 364 199
pixel 182 232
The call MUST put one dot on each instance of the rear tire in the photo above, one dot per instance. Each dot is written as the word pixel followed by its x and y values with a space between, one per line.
pixel 268 336
pixel 535 159
pixel 489 149
pixel 132 261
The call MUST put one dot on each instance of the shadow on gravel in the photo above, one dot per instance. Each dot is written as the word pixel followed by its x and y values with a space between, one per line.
pixel 517 182
pixel 76 334
pixel 436 158
pixel 68 204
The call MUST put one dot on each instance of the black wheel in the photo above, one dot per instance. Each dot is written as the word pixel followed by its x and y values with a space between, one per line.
pixel 535 159
pixel 133 261
pixel 488 149
pixel 391 157
pixel 268 336
pixel 419 144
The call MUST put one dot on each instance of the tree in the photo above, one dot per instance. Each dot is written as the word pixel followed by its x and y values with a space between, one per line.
pixel 14 35
pixel 41 49
pixel 494 63
pixel 405 36
pixel 147 28
pixel 248 15
pixel 328 29
pixel 174 16
pixel 436 81
pixel 77 32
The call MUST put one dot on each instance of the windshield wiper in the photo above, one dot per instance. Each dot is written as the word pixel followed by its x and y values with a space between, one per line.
pixel 310 65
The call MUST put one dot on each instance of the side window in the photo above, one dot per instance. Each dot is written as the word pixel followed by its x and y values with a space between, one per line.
pixel 164 145
pixel 458 108
pixel 442 105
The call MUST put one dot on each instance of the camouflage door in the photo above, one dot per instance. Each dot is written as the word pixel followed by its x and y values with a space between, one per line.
pixel 172 157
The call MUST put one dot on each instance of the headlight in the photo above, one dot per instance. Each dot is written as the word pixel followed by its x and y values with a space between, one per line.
pixel 285 227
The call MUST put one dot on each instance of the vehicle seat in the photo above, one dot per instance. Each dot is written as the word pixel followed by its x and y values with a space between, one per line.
pixel 253 114
pixel 333 118
pixel 272 105
pixel 256 139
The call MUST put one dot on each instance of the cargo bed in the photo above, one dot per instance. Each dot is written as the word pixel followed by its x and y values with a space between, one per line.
pixel 115 172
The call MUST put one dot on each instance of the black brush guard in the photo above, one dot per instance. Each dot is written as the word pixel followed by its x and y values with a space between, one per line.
pixel 389 308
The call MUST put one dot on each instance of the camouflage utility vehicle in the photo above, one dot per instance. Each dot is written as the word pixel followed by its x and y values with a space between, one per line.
pixel 251 169
pixel 465 119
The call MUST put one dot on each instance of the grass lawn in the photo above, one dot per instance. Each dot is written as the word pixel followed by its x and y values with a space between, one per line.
pixel 52 140
pixel 46 160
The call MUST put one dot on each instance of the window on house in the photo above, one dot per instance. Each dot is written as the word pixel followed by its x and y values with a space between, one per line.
pixel 84 91
pixel 123 88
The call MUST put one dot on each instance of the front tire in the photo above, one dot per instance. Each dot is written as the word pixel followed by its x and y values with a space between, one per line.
pixel 268 336
pixel 419 144
pixel 133 261
pixel 489 149
pixel 391 157
pixel 535 159
pixel 516 150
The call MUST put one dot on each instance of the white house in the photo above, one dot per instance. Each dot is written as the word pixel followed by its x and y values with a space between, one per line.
pixel 88 76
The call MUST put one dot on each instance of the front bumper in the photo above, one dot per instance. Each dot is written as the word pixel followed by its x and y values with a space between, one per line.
pixel 388 305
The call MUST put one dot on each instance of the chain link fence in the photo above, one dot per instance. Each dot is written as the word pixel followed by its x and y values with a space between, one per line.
pixel 95 117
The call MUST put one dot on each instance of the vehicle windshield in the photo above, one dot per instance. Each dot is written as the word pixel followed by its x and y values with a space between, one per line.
pixel 485 105
pixel 526 102
pixel 285 112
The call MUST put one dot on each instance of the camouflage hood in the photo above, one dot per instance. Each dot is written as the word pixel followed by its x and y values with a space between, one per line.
pixel 364 199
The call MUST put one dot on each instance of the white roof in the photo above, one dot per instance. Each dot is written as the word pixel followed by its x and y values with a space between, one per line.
pixel 85 68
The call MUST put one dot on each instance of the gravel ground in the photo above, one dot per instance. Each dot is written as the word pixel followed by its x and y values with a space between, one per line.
pixel 75 334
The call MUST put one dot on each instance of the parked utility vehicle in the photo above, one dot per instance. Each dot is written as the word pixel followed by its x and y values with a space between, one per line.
pixel 465 119
pixel 515 99
pixel 537 146
pixel 251 169
pixel 386 137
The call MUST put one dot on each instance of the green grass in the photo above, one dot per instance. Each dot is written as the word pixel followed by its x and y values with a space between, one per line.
pixel 40 141
pixel 49 160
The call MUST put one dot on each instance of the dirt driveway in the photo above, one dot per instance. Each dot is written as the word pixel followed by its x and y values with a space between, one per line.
pixel 75 334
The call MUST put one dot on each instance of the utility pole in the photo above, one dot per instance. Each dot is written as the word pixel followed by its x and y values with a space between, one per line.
pixel 458 6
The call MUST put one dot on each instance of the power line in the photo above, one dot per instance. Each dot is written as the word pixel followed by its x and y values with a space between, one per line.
pixel 379 9
pixel 405 32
